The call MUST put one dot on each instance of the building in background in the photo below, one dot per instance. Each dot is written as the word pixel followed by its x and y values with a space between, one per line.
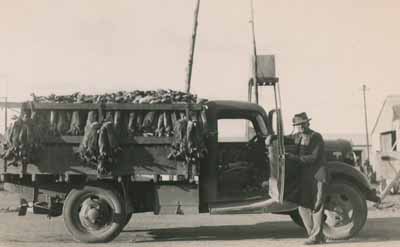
pixel 386 130
pixel 385 139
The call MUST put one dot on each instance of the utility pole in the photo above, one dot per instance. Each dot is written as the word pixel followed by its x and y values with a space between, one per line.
pixel 6 109
pixel 5 116
pixel 5 97
pixel 191 167
pixel 253 54
pixel 192 47
pixel 364 88
pixel 191 55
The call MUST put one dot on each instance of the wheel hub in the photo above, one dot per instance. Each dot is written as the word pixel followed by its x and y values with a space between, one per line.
pixel 94 214
pixel 339 211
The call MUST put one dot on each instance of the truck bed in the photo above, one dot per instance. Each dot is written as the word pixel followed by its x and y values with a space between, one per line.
pixel 141 156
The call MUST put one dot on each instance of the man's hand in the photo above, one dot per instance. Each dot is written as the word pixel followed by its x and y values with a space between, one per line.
pixel 290 156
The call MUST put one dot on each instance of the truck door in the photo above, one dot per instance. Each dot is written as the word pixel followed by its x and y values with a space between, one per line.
pixel 283 180
pixel 279 177
pixel 242 167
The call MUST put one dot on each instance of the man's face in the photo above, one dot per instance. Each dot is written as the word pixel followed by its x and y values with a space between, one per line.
pixel 301 128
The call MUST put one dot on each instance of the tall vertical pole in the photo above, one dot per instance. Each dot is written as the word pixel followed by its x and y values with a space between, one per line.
pixel 6 110
pixel 253 52
pixel 5 120
pixel 252 87
pixel 192 47
pixel 191 167
pixel 4 77
pixel 364 88
pixel 5 114
pixel 191 55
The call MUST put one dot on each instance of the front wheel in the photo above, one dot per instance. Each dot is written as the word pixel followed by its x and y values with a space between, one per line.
pixel 345 209
pixel 94 214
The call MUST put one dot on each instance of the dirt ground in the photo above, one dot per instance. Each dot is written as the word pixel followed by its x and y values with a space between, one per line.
pixel 382 229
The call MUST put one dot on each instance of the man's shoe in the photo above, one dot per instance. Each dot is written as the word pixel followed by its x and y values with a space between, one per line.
pixel 311 241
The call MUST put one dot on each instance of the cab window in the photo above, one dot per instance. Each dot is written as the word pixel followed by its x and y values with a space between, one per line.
pixel 235 130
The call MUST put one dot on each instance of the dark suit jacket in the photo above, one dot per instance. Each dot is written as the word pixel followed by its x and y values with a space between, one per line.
pixel 310 157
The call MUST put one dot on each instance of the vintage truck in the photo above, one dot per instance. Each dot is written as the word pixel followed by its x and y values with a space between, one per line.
pixel 233 177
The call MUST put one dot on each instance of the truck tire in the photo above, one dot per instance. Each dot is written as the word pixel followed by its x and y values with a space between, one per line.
pixel 94 214
pixel 345 209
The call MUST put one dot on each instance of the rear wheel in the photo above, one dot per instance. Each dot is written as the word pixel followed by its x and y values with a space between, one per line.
pixel 94 214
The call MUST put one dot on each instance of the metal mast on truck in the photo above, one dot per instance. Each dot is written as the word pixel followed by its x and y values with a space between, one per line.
pixel 263 74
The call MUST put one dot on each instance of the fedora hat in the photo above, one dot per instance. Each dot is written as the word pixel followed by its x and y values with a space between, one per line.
pixel 300 118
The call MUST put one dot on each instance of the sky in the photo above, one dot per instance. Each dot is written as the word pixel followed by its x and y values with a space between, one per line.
pixel 324 51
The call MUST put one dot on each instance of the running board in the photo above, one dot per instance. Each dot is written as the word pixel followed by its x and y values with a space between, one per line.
pixel 262 206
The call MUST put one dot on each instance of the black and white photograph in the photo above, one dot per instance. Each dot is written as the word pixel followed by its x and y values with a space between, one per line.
pixel 199 123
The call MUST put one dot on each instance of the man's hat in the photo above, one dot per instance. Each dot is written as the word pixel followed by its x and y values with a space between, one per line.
pixel 300 118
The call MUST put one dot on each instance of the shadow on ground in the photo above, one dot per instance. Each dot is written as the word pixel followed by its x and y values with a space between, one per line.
pixel 268 230
pixel 376 230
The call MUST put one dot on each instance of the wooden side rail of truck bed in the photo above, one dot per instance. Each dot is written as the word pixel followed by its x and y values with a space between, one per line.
pixel 144 155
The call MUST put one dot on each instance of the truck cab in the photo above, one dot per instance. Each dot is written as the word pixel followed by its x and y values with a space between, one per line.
pixel 243 175
pixel 240 167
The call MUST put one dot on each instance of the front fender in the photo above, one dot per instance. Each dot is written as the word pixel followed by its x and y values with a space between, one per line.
pixel 340 170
